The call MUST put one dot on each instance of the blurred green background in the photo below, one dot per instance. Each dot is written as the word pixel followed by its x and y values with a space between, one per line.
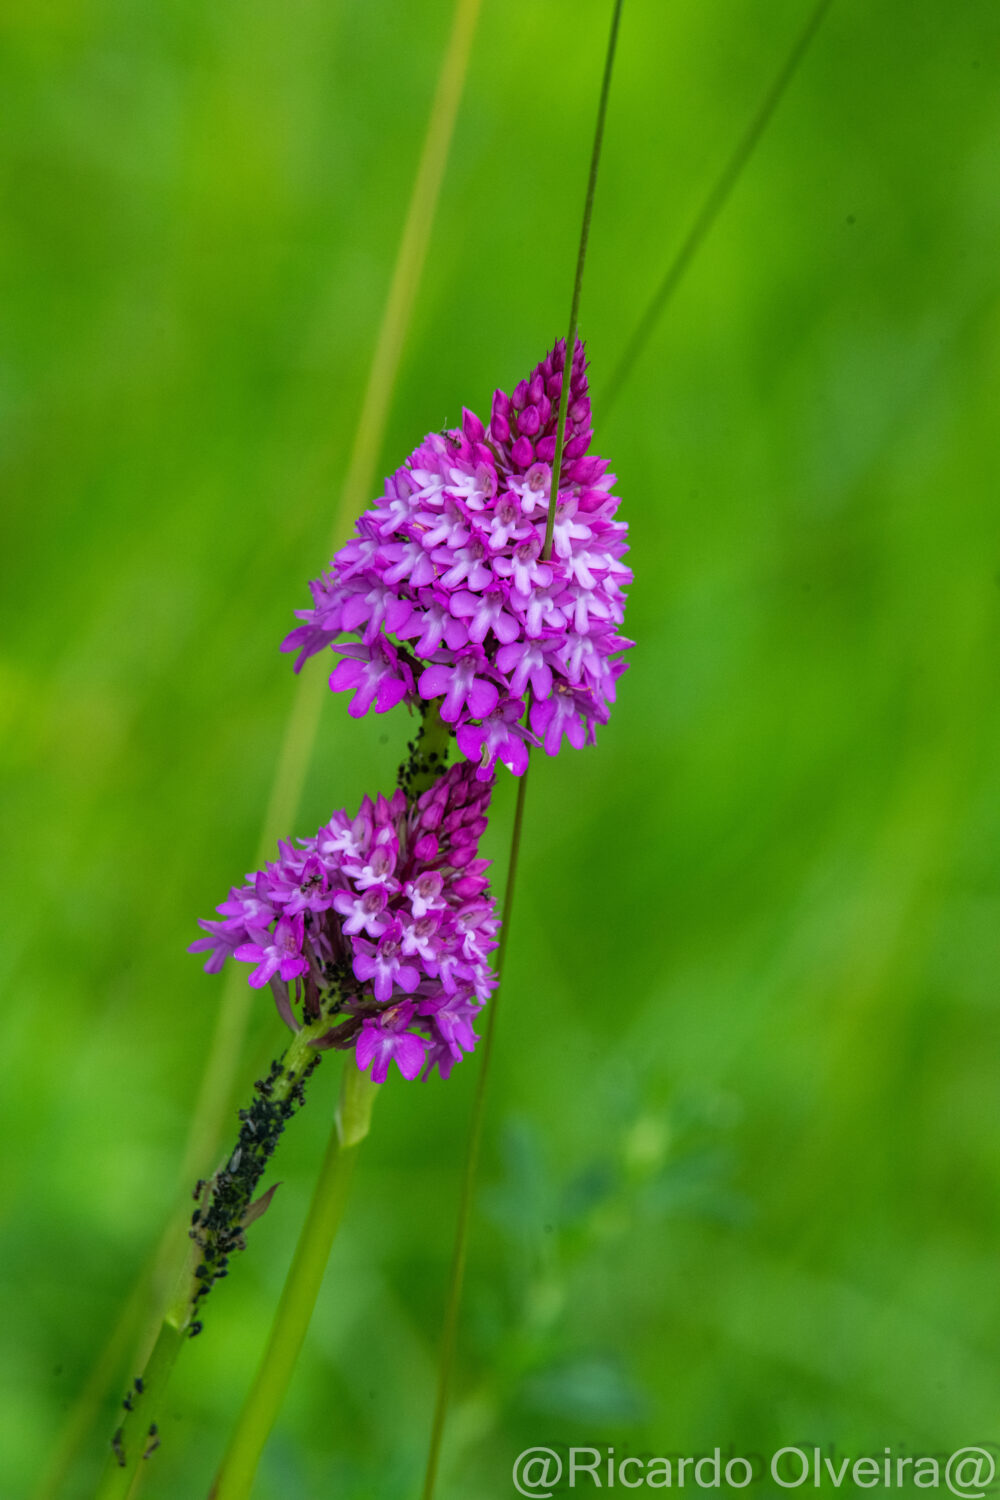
pixel 743 1150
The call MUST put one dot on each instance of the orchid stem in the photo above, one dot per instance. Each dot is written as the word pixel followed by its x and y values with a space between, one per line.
pixel 137 1438
pixel 298 1299
pixel 453 1303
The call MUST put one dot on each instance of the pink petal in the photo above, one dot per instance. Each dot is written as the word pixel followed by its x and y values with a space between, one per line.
pixel 434 682
pixel 346 675
pixel 481 698
pixel 407 978
pixel 388 693
pixel 469 738
pixel 409 1053
pixel 514 754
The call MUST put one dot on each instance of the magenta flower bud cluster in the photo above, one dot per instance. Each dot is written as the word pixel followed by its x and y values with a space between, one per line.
pixel 449 590
pixel 382 922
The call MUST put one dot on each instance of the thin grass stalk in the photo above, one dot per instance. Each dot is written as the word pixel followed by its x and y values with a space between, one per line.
pixel 581 260
pixel 453 1304
pixel 715 201
pixel 218 1078
pixel 453 1300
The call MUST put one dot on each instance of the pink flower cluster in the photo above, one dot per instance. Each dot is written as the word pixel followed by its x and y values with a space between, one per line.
pixel 382 922
pixel 452 599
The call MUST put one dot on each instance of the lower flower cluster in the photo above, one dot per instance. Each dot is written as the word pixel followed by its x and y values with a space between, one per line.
pixel 382 924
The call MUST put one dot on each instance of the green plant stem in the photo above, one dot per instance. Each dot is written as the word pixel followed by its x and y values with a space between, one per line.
pixel 136 1437
pixel 298 1299
pixel 138 1432
pixel 581 258
pixel 430 753
pixel 220 1072
pixel 713 205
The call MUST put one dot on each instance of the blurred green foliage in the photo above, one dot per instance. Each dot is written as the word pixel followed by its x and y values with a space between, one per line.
pixel 743 1156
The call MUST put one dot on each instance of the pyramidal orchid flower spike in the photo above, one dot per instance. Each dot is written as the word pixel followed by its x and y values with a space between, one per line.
pixel 447 590
pixel 381 924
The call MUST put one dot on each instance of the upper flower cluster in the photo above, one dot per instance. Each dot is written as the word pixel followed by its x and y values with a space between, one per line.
pixel 447 585
pixel 382 923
